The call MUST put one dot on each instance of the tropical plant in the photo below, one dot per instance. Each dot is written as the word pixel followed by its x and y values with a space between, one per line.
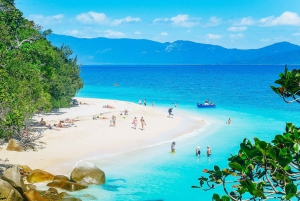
pixel 263 170
pixel 34 75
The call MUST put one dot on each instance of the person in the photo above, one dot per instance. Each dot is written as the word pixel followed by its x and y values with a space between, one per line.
pixel 208 151
pixel 206 102
pixel 134 122
pixel 140 102
pixel 229 121
pixel 145 102
pixel 114 121
pixel 176 104
pixel 152 103
pixel 198 151
pixel 143 123
pixel 173 147
pixel 60 125
pixel 42 122
pixel 126 112
pixel 170 111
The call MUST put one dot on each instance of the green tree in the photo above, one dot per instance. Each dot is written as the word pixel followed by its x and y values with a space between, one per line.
pixel 34 75
pixel 263 170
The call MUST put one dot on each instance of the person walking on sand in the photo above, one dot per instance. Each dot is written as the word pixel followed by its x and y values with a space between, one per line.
pixel 170 111
pixel 152 103
pixel 145 102
pixel 134 122
pixel 140 101
pixel 198 152
pixel 143 123
pixel 173 147
pixel 208 153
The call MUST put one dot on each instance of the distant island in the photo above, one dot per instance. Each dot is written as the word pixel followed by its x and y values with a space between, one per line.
pixel 105 51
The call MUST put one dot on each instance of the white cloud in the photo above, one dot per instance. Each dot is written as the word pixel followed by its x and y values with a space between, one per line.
pixel 112 34
pixel 214 21
pixel 42 20
pixel 72 32
pixel 296 34
pixel 126 20
pixel 286 18
pixel 236 35
pixel 137 33
pixel 92 18
pixel 189 31
pixel 183 21
pixel 157 20
pixel 246 21
pixel 214 36
pixel 244 28
pixel 164 33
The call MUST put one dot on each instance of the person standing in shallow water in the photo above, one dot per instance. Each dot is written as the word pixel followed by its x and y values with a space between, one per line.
pixel 173 147
pixel 140 102
pixel 208 153
pixel 198 151
pixel 143 123
pixel 152 103
pixel 145 102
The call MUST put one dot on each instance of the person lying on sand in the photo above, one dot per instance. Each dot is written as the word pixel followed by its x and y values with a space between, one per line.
pixel 60 125
pixel 109 106
pixel 51 127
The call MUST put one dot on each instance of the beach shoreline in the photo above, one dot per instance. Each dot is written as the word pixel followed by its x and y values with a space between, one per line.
pixel 91 134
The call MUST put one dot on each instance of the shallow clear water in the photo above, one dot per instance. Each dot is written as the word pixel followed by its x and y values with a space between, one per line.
pixel 153 173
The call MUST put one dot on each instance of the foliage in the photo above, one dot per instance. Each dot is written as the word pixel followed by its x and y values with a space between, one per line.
pixel 34 75
pixel 289 85
pixel 262 170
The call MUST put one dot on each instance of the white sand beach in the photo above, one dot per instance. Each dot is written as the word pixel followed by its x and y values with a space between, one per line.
pixel 89 137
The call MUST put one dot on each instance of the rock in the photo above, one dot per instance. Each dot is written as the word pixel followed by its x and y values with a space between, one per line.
pixel 66 185
pixel 25 168
pixel 29 187
pixel 69 199
pixel 8 192
pixel 63 194
pixel 51 194
pixel 38 175
pixel 14 145
pixel 34 195
pixel 61 177
pixel 12 175
pixel 88 173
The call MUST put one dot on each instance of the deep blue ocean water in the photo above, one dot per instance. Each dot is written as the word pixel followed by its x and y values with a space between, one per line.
pixel 149 174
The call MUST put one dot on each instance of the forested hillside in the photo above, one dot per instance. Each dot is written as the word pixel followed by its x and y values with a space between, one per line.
pixel 34 75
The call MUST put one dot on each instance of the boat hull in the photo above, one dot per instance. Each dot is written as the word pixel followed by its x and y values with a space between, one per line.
pixel 205 106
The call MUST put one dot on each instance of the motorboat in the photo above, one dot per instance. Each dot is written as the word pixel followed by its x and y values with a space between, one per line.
pixel 200 105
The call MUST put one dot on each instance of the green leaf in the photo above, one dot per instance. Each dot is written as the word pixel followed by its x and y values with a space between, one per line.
pixel 235 166
pixel 290 189
pixel 296 147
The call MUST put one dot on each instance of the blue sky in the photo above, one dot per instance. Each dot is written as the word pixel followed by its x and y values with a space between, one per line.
pixel 242 24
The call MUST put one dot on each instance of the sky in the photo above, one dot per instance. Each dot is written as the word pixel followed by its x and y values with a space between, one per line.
pixel 241 24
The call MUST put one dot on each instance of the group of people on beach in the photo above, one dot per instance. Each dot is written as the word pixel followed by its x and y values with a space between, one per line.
pixel 61 124
pixel 145 102
pixel 135 122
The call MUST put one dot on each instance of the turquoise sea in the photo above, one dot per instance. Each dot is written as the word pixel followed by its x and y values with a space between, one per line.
pixel 152 173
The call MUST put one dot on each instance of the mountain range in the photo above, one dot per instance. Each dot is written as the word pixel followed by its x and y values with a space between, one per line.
pixel 97 51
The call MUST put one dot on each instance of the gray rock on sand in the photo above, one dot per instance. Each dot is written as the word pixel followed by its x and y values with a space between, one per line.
pixel 15 145
pixel 88 173
pixel 12 175
pixel 8 192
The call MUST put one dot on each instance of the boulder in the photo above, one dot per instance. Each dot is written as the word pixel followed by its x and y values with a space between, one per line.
pixel 25 169
pixel 8 192
pixel 29 187
pixel 12 175
pixel 34 195
pixel 66 185
pixel 63 194
pixel 15 145
pixel 88 173
pixel 38 175
pixel 69 199
pixel 51 194
pixel 61 177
